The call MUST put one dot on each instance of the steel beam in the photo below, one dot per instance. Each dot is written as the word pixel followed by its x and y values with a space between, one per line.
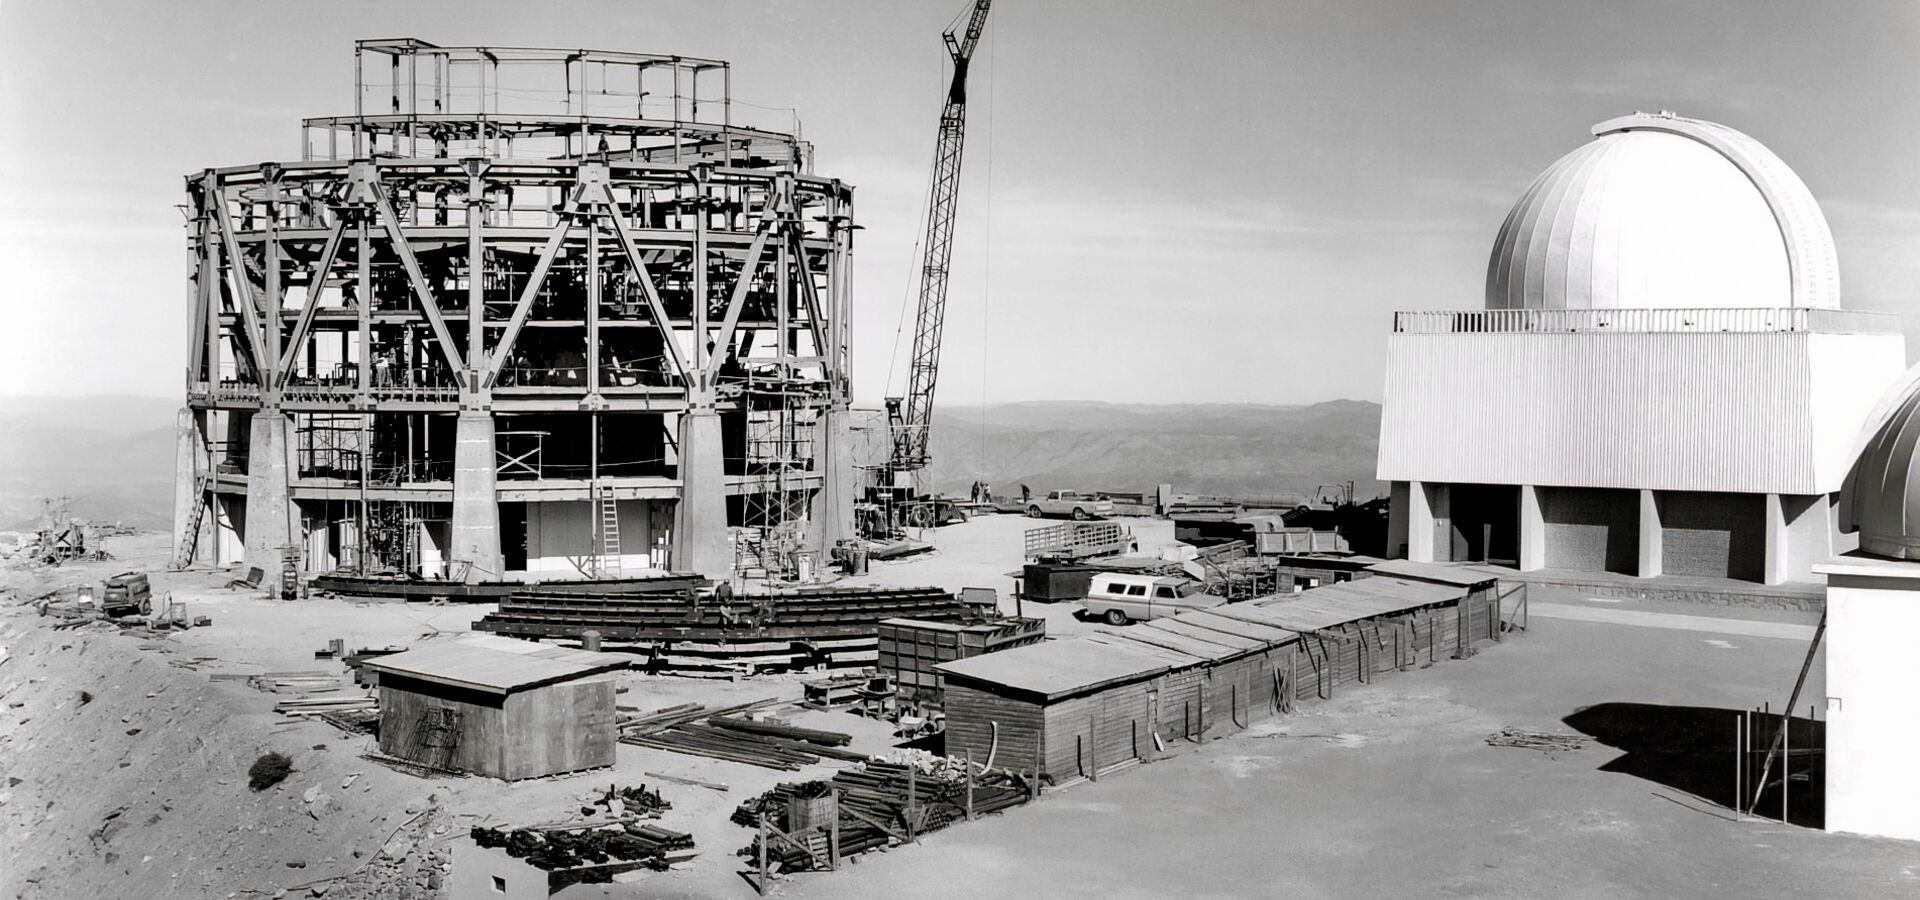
pixel 808 293
pixel 524 306
pixel 404 250
pixel 242 288
pixel 647 289
pixel 738 298
pixel 314 285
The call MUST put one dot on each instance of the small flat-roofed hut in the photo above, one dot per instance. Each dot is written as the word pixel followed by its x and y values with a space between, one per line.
pixel 498 706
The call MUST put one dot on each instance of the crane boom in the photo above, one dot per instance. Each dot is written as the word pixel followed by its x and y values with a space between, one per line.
pixel 910 427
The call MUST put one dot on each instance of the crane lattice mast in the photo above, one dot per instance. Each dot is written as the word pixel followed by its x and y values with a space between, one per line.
pixel 910 427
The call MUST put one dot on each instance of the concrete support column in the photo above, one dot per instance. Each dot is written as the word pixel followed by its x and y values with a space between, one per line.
pixel 1533 530
pixel 700 518
pixel 1779 542
pixel 1398 502
pixel 475 531
pixel 1419 523
pixel 1652 547
pixel 832 512
pixel 270 524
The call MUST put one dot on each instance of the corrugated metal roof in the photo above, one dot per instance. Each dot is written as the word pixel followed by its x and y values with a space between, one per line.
pixel 1465 576
pixel 1351 601
pixel 495 664
pixel 1055 669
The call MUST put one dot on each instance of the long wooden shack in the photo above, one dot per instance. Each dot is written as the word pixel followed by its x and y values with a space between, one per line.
pixel 498 706
pixel 1082 707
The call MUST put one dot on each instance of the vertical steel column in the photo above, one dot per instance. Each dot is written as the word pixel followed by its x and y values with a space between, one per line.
pixel 593 301
pixel 359 102
pixel 209 278
pixel 476 278
pixel 364 310
pixel 700 299
pixel 270 262
pixel 783 275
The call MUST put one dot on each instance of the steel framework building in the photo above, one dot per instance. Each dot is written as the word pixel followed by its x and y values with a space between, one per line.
pixel 526 310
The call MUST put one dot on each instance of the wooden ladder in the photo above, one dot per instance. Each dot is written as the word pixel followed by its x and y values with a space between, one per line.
pixel 190 539
pixel 609 537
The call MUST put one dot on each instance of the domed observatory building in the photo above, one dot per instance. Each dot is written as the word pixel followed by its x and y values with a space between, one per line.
pixel 1662 381
pixel 1873 607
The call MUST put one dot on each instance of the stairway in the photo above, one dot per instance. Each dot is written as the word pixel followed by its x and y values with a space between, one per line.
pixel 609 537
pixel 190 538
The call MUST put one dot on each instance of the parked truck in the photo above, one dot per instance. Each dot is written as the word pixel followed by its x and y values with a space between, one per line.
pixel 1069 503
pixel 1120 597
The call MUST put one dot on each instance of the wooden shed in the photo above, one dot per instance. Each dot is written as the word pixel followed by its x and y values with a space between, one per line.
pixel 1070 708
pixel 1081 707
pixel 498 706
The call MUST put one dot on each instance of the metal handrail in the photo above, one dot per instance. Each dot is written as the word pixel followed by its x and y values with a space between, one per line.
pixel 1643 321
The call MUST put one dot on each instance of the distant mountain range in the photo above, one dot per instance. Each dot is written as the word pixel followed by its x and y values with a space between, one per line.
pixel 1232 449
pixel 114 454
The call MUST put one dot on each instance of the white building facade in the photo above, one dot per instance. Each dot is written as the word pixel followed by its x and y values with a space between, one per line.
pixel 1661 381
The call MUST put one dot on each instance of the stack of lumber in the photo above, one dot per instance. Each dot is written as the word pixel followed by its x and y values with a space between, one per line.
pixel 723 739
pixel 720 734
pixel 305 682
pixel 874 808
pixel 317 706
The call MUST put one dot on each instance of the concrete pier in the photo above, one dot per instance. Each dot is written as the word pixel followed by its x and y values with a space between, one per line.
pixel 700 519
pixel 830 519
pixel 270 527
pixel 476 512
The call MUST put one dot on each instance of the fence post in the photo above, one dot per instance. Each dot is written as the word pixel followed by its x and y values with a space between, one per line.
pixel 1093 752
pixel 969 784
pixel 760 884
pixel 833 833
pixel 912 783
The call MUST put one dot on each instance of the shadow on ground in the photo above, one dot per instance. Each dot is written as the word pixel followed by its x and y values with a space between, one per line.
pixel 1693 749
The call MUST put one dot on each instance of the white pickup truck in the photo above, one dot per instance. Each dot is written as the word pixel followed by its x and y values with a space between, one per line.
pixel 1069 503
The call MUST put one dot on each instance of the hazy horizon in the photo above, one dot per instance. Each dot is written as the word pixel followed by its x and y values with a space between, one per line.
pixel 1162 203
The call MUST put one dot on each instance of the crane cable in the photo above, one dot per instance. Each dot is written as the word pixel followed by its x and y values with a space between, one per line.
pixel 907 297
pixel 986 299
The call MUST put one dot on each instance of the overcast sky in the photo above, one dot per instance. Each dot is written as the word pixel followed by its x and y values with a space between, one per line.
pixel 1162 202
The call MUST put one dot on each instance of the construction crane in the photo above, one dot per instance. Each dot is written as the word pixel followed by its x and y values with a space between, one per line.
pixel 910 418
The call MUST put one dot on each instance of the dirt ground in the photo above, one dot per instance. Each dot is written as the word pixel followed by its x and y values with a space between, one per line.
pixel 1387 790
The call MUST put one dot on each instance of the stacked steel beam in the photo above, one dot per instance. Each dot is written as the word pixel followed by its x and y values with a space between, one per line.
pixel 781 629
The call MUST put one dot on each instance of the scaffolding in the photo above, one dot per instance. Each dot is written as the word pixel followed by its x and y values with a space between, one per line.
pixel 525 246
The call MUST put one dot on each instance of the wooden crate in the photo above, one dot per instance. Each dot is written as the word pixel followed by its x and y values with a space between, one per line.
pixel 909 649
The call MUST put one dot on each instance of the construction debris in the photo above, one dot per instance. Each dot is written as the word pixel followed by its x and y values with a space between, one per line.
pixel 877 805
pixel 1543 741
pixel 593 852
pixel 720 734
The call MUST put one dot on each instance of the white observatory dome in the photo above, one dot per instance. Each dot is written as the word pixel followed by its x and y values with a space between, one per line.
pixel 1882 492
pixel 1664 212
